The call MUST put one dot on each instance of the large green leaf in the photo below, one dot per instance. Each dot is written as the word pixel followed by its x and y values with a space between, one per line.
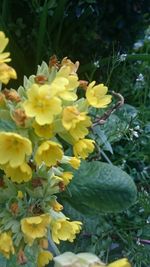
pixel 100 187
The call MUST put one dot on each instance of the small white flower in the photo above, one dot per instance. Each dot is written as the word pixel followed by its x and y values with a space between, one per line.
pixel 122 57
pixel 135 133
pixel 140 78
pixel 138 45
pixel 137 127
pixel 96 64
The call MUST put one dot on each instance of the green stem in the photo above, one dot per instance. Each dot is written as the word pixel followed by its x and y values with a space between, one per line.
pixel 52 245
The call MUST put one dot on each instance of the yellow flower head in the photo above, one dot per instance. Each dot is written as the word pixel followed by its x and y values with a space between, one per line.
pixel 6 73
pixel 35 227
pixel 44 257
pixel 64 85
pixel 75 122
pixel 75 162
pixel 4 57
pixel 120 263
pixel 96 95
pixel 83 148
pixel 46 130
pixel 6 245
pixel 14 148
pixel 22 173
pixel 64 230
pixel 66 177
pixel 73 66
pixel 49 152
pixel 41 105
pixel 67 93
pixel 56 206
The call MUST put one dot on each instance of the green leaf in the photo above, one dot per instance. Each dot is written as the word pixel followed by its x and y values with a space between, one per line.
pixel 7 126
pixel 103 138
pixel 42 31
pixel 3 261
pixel 101 187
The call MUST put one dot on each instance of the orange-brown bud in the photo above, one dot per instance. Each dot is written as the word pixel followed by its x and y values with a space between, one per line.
pixel 22 259
pixel 61 186
pixel 11 95
pixel 19 117
pixel 2 182
pixel 40 79
pixel 53 62
pixel 37 182
pixel 14 208
pixel 83 84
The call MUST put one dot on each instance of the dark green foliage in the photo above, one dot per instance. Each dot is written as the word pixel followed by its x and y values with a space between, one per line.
pixel 38 29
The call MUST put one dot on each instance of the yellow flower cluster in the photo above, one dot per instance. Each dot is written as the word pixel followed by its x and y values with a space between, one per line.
pixel 35 119
pixel 6 72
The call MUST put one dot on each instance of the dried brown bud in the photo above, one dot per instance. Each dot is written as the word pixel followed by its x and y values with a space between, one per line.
pixel 61 186
pixel 11 95
pixel 83 84
pixel 54 62
pixel 14 208
pixel 37 182
pixel 40 79
pixel 1 182
pixel 22 259
pixel 19 117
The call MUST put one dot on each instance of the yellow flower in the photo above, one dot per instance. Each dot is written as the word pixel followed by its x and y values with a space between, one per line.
pixel 66 177
pixel 43 243
pixel 6 73
pixel 56 206
pixel 96 95
pixel 73 66
pixel 35 227
pixel 22 173
pixel 6 245
pixel 64 230
pixel 120 263
pixel 46 130
pixel 14 148
pixel 75 122
pixel 83 148
pixel 67 93
pixel 65 84
pixel 75 162
pixel 41 105
pixel 44 257
pixel 4 57
pixel 49 152
pixel 20 194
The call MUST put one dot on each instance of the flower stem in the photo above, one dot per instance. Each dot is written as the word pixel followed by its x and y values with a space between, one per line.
pixel 52 245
